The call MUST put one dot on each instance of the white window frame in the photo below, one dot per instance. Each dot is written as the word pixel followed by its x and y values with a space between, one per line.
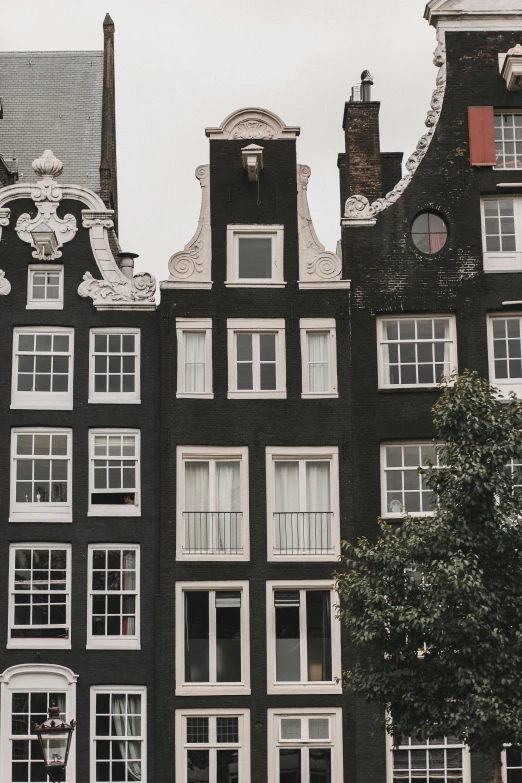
pixel 43 677
pixel 113 642
pixel 62 401
pixel 202 326
pixel 44 512
pixel 276 233
pixel 257 326
pixel 505 385
pixel 335 715
pixel 44 304
pixel 384 512
pixel 500 113
pixel 109 509
pixel 38 643
pixel 115 398
pixel 309 326
pixel 452 340
pixel 206 454
pixel 243 716
pixel 308 687
pixel 466 760
pixel 509 260
pixel 303 454
pixel 138 690
pixel 209 689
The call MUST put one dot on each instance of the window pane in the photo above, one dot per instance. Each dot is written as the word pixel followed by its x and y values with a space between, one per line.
pixel 290 765
pixel 195 361
pixel 318 635
pixel 288 646
pixel 320 760
pixel 255 257
pixel 228 637
pixel 227 766
pixel 318 361
pixel 197 636
pixel 198 766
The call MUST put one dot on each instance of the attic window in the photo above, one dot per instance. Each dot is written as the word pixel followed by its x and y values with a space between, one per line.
pixel 429 233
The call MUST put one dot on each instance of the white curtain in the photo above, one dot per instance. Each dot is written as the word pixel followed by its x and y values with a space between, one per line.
pixel 128 582
pixel 228 500
pixel 286 506
pixel 318 359
pixel 129 750
pixel 195 361
pixel 196 501
pixel 318 502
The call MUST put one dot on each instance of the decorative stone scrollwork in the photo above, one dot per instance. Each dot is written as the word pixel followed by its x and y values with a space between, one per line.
pixel 5 285
pixel 4 219
pixel 252 123
pixel 252 129
pixel 140 289
pixel 92 218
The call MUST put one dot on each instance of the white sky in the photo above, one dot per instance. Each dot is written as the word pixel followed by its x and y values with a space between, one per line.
pixel 182 65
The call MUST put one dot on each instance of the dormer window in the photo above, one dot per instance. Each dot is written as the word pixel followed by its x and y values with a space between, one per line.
pixel 255 256
pixel 508 140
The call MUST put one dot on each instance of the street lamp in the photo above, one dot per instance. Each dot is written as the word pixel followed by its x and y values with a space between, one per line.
pixel 54 736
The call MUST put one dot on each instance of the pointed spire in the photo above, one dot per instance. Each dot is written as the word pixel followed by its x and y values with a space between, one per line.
pixel 107 22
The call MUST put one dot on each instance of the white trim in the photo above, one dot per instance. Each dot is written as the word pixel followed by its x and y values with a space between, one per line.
pixel 39 643
pixel 113 642
pixel 505 386
pixel 306 327
pixel 42 400
pixel 257 326
pixel 466 760
pixel 303 453
pixel 109 509
pixel 207 688
pixel 303 687
pixel 117 398
pixel 273 232
pixel 119 689
pixel 504 765
pixel 201 325
pixel 335 715
pixel 44 304
pixel 384 511
pixel 209 453
pixel 243 745
pixel 503 261
pixel 41 512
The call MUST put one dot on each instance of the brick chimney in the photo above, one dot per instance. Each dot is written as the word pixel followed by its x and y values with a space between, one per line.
pixel 108 180
pixel 362 161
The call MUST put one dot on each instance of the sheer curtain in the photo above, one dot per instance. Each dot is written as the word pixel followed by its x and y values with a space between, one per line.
pixel 195 361
pixel 228 500
pixel 318 360
pixel 318 502
pixel 132 749
pixel 128 582
pixel 286 505
pixel 196 505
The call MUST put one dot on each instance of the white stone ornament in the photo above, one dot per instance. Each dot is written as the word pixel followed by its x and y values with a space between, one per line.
pixel 140 288
pixel 252 123
pixel 5 285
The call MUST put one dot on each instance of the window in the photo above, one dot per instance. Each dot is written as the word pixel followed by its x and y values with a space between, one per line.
pixel 416 351
pixel 505 353
pixel 303 638
pixel 303 503
pixel 508 141
pixel 118 734
pixel 429 233
pixel 444 759
pixel 502 234
pixel 114 371
pixel 114 475
pixel 41 475
pixel 255 256
pixel 256 358
pixel 512 765
pixel 194 357
pixel 212 503
pixel 216 746
pixel 305 746
pixel 212 633
pixel 319 357
pixel 40 595
pixel 113 602
pixel 42 368
pixel 45 287
pixel 403 488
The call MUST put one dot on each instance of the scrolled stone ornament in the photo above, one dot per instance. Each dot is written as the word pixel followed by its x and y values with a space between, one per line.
pixel 5 285
pixel 143 286
pixel 326 266
pixel 358 208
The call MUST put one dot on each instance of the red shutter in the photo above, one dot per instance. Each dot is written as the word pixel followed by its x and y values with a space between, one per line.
pixel 481 136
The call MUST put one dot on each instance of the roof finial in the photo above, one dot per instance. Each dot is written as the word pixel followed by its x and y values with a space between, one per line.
pixel 48 166
pixel 107 22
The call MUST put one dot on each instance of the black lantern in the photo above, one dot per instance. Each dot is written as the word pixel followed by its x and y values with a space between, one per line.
pixel 54 736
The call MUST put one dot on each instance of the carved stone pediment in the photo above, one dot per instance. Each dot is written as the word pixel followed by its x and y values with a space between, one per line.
pixel 252 123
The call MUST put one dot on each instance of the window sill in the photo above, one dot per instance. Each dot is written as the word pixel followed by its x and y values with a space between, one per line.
pixel 39 516
pixel 115 511
pixel 410 387
pixel 302 688
pixel 400 517
pixel 199 558
pixel 42 405
pixel 113 644
pixel 320 395
pixel 502 262
pixel 255 284
pixel 257 395
pixel 114 400
pixel 212 690
pixel 195 396
pixel 44 306
pixel 273 557
pixel 39 644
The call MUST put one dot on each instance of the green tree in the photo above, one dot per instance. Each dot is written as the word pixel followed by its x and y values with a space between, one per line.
pixel 433 606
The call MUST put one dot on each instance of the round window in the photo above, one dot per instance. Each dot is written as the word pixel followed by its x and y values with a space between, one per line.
pixel 429 232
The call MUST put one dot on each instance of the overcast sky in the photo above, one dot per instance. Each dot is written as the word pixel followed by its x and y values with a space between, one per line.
pixel 182 65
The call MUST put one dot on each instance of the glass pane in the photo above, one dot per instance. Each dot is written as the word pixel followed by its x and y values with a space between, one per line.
pixel 227 766
pixel 197 636
pixel 320 760
pixel 318 635
pixel 255 257
pixel 228 642
pixel 288 646
pixel 290 765
pixel 198 766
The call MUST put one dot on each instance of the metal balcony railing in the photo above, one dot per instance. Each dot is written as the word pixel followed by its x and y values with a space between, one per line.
pixel 212 533
pixel 303 533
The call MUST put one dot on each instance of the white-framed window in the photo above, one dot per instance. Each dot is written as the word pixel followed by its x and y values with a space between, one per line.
pixel 212 503
pixel 445 759
pixel 118 734
pixel 113 603
pixel 27 692
pixel 214 746
pixel 415 351
pixel 114 365
pixel 511 764
pixel 505 352
pixel 403 488
pixel 194 337
pixel 318 357
pixel 256 358
pixel 212 638
pixel 502 233
pixel 42 368
pixel 255 256
pixel 302 502
pixel 303 637
pixel 41 474
pixel 305 745
pixel 39 596
pixel 114 474
pixel 508 140
pixel 45 287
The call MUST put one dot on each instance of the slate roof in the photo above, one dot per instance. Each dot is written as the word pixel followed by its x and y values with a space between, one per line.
pixel 53 100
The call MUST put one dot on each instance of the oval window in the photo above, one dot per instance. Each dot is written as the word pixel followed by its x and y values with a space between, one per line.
pixel 429 232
